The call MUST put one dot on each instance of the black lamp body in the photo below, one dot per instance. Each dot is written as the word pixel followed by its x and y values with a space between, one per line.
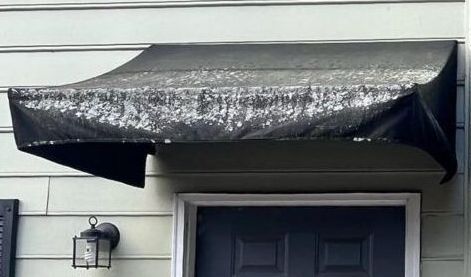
pixel 92 249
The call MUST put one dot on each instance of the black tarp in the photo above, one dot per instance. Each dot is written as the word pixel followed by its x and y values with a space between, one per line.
pixel 386 93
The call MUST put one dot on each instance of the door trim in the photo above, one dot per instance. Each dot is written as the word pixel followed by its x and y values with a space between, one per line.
pixel 186 204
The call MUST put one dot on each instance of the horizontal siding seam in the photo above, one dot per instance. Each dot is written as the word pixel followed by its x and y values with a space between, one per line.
pixel 111 213
pixel 142 46
pixel 32 213
pixel 441 213
pixel 99 213
pixel 442 259
pixel 222 173
pixel 118 257
pixel 424 213
pixel 195 4
pixel 168 257
pixel 213 174
pixel 73 48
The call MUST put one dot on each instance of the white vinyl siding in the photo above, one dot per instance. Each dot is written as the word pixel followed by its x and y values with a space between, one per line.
pixel 234 24
pixel 53 42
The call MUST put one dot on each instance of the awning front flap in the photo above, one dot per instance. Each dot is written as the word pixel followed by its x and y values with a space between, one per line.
pixel 370 93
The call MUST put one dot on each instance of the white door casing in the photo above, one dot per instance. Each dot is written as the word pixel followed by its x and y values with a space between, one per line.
pixel 186 204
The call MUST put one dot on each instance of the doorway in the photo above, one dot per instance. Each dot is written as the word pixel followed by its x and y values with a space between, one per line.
pixel 325 235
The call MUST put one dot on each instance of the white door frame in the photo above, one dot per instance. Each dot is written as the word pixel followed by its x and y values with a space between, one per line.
pixel 186 204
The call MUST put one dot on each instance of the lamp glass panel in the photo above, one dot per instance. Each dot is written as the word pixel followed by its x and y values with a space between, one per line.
pixel 85 252
pixel 104 253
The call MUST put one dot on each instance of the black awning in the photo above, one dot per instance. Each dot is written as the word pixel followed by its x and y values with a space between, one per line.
pixel 365 93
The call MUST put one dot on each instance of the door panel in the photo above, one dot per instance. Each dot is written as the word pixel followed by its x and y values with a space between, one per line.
pixel 300 242
pixel 264 255
pixel 345 256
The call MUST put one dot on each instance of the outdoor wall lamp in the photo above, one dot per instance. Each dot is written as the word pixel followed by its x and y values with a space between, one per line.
pixel 92 249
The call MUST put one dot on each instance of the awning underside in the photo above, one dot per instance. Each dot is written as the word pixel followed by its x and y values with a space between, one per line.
pixel 399 93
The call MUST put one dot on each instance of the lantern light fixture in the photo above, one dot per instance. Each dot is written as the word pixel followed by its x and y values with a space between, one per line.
pixel 92 249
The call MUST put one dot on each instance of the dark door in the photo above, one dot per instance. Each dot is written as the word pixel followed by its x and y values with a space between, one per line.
pixel 300 242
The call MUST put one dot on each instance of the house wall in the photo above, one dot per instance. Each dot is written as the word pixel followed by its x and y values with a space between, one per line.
pixel 52 42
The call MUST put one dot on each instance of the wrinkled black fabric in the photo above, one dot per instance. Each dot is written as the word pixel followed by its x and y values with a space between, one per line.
pixel 400 93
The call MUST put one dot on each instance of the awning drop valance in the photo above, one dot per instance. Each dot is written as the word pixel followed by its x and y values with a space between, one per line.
pixel 400 93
